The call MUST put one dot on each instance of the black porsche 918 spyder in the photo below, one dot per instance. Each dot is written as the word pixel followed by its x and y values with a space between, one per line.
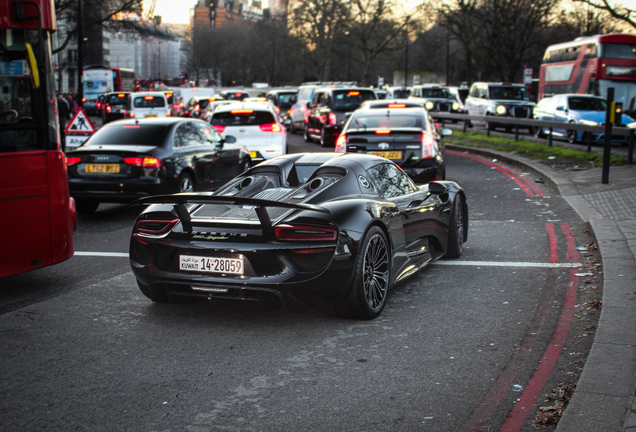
pixel 299 229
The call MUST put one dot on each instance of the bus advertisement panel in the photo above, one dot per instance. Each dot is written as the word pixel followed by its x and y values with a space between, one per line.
pixel 97 80
pixel 591 65
pixel 37 213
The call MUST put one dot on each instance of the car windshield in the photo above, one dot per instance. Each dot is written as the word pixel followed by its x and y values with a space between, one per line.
pixel 149 102
pixel 587 104
pixel 129 134
pixel 351 99
pixel 440 93
pixel 508 93
pixel 242 117
pixel 386 120
pixel 285 98
pixel 401 93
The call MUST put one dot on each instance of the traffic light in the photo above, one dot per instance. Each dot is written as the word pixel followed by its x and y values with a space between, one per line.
pixel 617 113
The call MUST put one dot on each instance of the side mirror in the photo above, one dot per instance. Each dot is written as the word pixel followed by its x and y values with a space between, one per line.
pixel 560 108
pixel 230 139
pixel 446 132
pixel 435 188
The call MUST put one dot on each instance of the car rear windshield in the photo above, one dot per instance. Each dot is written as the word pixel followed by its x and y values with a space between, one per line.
pixel 130 134
pixel 351 99
pixel 386 120
pixel 149 102
pixel 286 98
pixel 242 117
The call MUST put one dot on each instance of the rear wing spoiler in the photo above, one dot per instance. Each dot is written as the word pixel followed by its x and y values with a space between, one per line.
pixel 180 201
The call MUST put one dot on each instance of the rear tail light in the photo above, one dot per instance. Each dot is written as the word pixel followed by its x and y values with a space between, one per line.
pixel 155 227
pixel 197 108
pixel 219 128
pixel 333 119
pixel 428 145
pixel 341 144
pixel 73 160
pixel 108 109
pixel 277 110
pixel 383 131
pixel 242 111
pixel 272 127
pixel 144 162
pixel 396 105
pixel 305 233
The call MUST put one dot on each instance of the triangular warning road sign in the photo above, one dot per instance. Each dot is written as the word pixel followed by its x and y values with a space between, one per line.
pixel 80 124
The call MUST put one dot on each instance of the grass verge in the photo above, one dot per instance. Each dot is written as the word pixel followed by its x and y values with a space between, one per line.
pixel 553 156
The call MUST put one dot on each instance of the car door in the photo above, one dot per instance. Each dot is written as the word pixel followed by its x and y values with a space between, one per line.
pixel 420 218
pixel 194 154
pixel 227 157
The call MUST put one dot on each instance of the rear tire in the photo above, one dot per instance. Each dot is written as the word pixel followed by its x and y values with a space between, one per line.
pixel 572 136
pixel 186 183
pixel 538 132
pixel 86 206
pixel 306 135
pixel 323 139
pixel 368 292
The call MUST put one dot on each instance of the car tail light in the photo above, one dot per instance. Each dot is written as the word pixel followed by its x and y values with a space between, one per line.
pixel 108 109
pixel 383 131
pixel 219 128
pixel 305 233
pixel 155 227
pixel 272 127
pixel 277 110
pixel 396 105
pixel 144 162
pixel 121 95
pixel 354 93
pixel 245 111
pixel 73 160
pixel 148 97
pixel 197 108
pixel 341 144
pixel 333 119
pixel 428 145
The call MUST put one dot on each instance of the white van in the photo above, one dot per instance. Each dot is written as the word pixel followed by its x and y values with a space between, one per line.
pixel 148 104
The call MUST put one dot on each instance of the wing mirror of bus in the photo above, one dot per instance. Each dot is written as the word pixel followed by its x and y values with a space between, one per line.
pixel 560 108
pixel 33 65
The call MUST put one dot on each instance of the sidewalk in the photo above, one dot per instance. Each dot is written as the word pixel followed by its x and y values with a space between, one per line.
pixel 604 400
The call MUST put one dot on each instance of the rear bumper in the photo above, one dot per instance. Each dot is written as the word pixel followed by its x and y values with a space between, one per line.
pixel 114 190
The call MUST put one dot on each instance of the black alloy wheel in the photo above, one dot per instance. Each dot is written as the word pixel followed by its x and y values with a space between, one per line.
pixel 368 292
pixel 323 139
pixel 572 135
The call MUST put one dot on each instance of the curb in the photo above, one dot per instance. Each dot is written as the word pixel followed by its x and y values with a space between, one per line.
pixel 604 400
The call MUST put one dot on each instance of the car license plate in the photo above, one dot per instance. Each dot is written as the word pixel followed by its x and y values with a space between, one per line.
pixel 102 168
pixel 211 264
pixel 388 154
pixel 150 115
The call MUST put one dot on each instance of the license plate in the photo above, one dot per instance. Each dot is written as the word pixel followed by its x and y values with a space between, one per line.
pixel 388 154
pixel 150 115
pixel 253 154
pixel 211 264
pixel 102 168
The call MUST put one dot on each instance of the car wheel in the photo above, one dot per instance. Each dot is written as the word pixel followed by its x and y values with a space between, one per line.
pixel 306 134
pixel 186 183
pixel 538 132
pixel 572 136
pixel 323 139
pixel 368 292
pixel 456 230
pixel 245 165
pixel 86 206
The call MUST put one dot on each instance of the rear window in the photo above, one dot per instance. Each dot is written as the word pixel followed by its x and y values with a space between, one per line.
pixel 149 102
pixel 439 93
pixel 384 120
pixel 132 134
pixel 351 99
pixel 285 98
pixel 241 117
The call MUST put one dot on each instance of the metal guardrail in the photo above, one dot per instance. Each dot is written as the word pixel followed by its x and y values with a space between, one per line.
pixel 521 123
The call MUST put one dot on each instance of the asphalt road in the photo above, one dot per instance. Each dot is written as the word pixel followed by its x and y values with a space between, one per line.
pixel 466 344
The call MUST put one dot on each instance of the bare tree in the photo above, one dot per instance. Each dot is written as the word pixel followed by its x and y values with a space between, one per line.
pixel 316 23
pixel 373 29
pixel 620 13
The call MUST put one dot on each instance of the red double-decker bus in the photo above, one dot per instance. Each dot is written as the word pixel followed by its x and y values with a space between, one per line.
pixel 37 216
pixel 591 65
pixel 123 79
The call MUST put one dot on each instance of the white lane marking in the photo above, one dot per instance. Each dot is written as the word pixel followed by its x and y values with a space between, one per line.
pixel 103 254
pixel 508 264
pixel 447 263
